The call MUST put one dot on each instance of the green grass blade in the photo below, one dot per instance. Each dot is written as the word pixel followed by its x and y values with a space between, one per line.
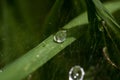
pixel 112 28
pixel 104 14
pixel 38 56
pixel 107 17
pixel 41 54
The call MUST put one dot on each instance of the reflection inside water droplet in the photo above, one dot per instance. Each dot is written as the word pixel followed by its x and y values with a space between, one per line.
pixel 60 36
pixel 76 73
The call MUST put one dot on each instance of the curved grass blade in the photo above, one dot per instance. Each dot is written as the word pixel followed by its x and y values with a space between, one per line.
pixel 42 53
pixel 38 56
pixel 108 41
pixel 112 30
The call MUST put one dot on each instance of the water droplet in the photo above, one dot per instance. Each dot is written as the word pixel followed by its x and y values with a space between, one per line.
pixel 101 27
pixel 60 36
pixel 76 73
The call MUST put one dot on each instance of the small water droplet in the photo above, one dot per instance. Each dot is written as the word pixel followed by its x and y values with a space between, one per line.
pixel 60 36
pixel 76 73
pixel 101 27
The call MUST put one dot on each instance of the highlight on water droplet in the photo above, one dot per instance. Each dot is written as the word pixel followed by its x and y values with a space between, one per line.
pixel 60 36
pixel 76 73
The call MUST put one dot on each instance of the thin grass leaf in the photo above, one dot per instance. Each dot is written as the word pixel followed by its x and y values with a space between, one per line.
pixel 41 54
pixel 112 31
pixel 38 56
pixel 104 14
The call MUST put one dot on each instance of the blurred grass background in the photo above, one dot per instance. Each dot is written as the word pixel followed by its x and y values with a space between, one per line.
pixel 25 23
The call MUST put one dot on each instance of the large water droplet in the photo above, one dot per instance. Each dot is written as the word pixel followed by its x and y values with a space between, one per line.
pixel 76 73
pixel 60 36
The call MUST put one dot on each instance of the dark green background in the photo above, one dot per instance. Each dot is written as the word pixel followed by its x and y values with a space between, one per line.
pixel 25 23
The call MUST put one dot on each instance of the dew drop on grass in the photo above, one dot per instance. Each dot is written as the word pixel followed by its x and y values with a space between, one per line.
pixel 76 73
pixel 101 27
pixel 60 36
